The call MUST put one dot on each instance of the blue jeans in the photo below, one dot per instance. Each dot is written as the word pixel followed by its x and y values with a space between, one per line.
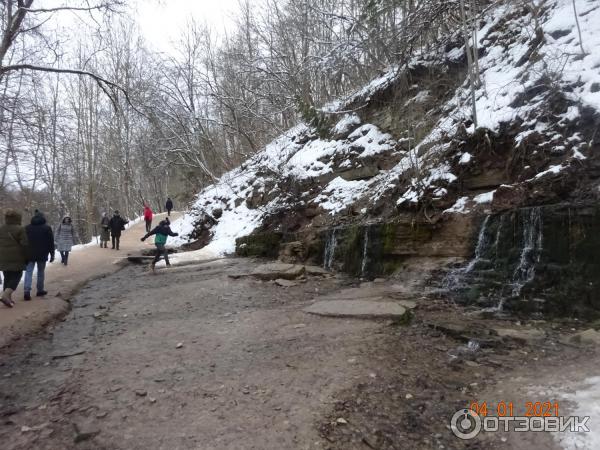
pixel 41 267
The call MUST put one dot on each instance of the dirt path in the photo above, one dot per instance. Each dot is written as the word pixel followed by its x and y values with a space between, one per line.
pixel 190 358
pixel 61 282
pixel 253 370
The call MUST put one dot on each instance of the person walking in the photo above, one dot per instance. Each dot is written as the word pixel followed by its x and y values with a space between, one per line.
pixel 162 231
pixel 41 245
pixel 65 239
pixel 116 225
pixel 13 254
pixel 147 217
pixel 169 206
pixel 104 230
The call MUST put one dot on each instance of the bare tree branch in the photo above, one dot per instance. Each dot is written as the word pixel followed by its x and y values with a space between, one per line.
pixel 109 6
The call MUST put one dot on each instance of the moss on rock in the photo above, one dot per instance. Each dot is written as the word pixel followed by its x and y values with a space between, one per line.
pixel 259 244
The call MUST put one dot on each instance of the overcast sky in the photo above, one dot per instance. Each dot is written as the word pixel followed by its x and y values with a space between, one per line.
pixel 161 21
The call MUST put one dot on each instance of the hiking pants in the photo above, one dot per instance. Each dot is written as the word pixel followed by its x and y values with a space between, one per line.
pixel 161 251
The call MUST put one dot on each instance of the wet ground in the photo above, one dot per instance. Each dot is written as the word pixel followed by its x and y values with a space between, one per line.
pixel 190 358
pixel 85 263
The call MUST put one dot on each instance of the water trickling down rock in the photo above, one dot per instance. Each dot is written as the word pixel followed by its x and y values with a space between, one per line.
pixel 330 246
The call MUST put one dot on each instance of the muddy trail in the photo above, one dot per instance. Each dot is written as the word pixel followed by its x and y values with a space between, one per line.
pixel 191 358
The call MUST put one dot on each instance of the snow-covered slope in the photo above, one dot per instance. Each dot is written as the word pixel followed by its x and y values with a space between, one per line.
pixel 537 92
pixel 289 157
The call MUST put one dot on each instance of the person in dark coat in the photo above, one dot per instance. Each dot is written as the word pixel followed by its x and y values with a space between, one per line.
pixel 116 225
pixel 41 246
pixel 13 254
pixel 162 231
pixel 169 205
pixel 104 231
pixel 148 217
pixel 65 239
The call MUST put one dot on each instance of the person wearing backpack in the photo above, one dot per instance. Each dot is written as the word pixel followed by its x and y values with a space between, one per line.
pixel 162 232
pixel 13 254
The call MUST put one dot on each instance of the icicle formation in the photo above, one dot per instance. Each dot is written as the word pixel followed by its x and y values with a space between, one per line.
pixel 363 266
pixel 531 251
pixel 330 249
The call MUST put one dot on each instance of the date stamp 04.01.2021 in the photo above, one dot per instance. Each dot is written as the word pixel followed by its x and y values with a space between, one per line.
pixel 527 416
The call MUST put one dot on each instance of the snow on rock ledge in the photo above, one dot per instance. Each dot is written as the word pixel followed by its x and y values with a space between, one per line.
pixel 342 174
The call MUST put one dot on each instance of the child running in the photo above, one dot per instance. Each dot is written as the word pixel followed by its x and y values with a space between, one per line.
pixel 162 231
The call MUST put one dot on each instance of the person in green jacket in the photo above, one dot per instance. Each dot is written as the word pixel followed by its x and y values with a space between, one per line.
pixel 13 254
pixel 162 231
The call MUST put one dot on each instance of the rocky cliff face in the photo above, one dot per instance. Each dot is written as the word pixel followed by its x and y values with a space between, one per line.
pixel 400 169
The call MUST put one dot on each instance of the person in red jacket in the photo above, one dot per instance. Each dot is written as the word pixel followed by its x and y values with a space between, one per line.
pixel 148 217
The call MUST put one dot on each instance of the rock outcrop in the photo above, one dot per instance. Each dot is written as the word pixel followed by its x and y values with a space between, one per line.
pixel 400 170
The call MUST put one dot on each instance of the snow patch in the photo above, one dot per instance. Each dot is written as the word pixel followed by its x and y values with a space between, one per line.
pixel 459 207
pixel 484 198
pixel 346 124
pixel 586 397
pixel 551 170
pixel 465 158
pixel 340 193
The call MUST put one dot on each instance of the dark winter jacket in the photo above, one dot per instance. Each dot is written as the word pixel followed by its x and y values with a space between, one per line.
pixel 13 243
pixel 169 205
pixel 41 239
pixel 161 231
pixel 117 225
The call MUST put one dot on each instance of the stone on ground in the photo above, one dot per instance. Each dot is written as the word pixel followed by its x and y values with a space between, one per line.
pixel 408 304
pixel 357 309
pixel 590 336
pixel 526 334
pixel 316 270
pixel 274 271
pixel 371 291
pixel 285 283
